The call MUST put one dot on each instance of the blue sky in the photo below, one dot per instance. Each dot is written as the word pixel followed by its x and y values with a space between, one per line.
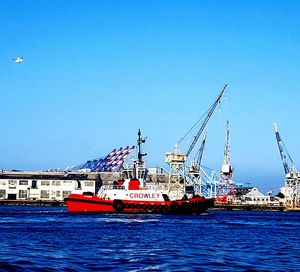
pixel 96 71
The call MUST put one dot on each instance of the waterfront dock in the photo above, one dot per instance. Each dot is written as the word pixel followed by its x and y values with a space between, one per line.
pixel 224 207
pixel 24 202
pixel 249 207
pixel 293 209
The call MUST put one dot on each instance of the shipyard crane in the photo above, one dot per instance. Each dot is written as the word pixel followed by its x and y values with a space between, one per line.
pixel 177 159
pixel 291 188
pixel 195 170
pixel 226 167
pixel 284 154
pixel 209 114
pixel 226 183
pixel 196 163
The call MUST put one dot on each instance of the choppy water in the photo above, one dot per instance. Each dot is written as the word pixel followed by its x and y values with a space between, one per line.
pixel 50 239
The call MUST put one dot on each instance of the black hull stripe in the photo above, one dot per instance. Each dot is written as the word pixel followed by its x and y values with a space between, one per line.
pixel 87 201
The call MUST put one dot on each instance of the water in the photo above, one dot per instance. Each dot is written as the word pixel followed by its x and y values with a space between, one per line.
pixel 50 239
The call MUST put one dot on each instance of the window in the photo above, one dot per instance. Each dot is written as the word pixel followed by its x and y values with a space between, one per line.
pixel 45 183
pixel 58 194
pixel 44 193
pixel 3 182
pixel 67 182
pixel 34 184
pixel 56 182
pixel 22 193
pixel 66 193
pixel 2 193
pixel 23 182
pixel 89 183
pixel 12 184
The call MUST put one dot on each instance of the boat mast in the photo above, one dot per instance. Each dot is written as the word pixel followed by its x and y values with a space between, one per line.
pixel 139 170
pixel 140 141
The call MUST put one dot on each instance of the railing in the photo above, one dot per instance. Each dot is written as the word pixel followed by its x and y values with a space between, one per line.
pixel 112 187
pixel 153 187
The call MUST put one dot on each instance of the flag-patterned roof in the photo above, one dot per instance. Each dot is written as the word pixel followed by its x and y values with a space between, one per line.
pixel 113 162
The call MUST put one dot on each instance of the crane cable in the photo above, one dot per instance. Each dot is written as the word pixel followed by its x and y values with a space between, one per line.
pixel 204 114
pixel 210 113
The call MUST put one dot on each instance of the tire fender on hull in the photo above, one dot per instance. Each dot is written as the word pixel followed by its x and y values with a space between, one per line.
pixel 185 207
pixel 174 207
pixel 118 205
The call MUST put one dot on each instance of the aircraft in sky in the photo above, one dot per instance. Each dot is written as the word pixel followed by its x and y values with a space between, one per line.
pixel 18 60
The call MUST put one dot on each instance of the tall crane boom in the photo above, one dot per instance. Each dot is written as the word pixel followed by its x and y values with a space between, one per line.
pixel 201 149
pixel 225 190
pixel 227 146
pixel 283 152
pixel 196 163
pixel 209 114
pixel 226 166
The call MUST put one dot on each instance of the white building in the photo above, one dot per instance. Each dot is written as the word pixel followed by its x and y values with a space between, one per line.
pixel 254 196
pixel 46 185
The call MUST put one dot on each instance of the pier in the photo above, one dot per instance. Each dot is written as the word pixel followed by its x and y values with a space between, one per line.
pixel 225 207
pixel 29 202
pixel 249 207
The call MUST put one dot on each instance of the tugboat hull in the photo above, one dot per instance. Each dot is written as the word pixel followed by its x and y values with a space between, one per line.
pixel 87 203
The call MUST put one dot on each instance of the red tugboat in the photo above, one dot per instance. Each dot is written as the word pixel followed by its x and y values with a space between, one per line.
pixel 134 195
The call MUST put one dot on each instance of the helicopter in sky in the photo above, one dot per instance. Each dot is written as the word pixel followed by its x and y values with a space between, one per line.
pixel 18 60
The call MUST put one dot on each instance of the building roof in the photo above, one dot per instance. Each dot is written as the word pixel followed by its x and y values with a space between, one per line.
pixel 47 175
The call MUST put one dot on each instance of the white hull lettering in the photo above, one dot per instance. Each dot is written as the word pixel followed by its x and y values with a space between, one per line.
pixel 143 195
